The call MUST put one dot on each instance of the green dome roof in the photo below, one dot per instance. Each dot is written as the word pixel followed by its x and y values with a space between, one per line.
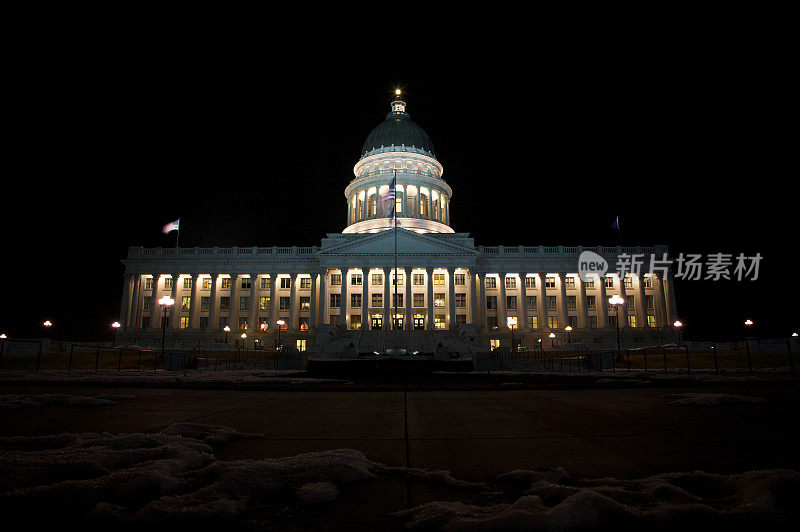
pixel 398 133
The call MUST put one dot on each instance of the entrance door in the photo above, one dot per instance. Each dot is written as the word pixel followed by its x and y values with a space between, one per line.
pixel 419 324
pixel 398 323
pixel 377 322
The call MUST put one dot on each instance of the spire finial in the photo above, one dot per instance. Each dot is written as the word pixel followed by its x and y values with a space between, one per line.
pixel 398 105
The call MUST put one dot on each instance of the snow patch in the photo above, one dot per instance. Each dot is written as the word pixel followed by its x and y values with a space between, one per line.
pixel 709 399
pixel 13 401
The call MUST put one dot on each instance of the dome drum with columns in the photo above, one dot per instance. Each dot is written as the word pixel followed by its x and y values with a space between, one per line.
pixel 376 285
pixel 400 148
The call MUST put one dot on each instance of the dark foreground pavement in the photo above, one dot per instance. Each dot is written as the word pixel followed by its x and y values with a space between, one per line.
pixel 629 432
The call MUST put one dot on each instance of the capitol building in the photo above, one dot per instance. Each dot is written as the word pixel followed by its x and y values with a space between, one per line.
pixel 411 281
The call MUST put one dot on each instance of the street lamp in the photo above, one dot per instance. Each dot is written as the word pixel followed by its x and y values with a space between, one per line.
pixel 552 340
pixel 227 330
pixel 116 325
pixel 617 302
pixel 568 328
pixel 678 324
pixel 748 323
pixel 165 303
pixel 280 324
pixel 243 335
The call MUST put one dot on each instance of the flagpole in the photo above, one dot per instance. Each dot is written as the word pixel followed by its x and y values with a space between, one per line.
pixel 394 215
pixel 178 236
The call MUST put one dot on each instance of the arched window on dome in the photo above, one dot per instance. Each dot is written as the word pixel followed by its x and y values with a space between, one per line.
pixel 353 207
pixel 435 204
pixel 372 202
pixel 360 205
pixel 399 199
pixel 424 197
pixel 411 200
pixel 444 209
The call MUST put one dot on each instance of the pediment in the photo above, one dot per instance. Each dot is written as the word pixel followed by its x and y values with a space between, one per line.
pixel 408 243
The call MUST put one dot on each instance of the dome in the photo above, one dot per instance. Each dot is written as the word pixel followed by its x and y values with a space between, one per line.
pixel 398 133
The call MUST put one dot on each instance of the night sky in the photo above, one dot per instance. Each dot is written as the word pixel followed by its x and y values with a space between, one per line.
pixel 687 145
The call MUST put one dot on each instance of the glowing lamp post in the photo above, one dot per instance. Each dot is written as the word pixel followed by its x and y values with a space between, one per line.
pixel 552 337
pixel 115 326
pixel 166 302
pixel 243 336
pixel 617 302
pixel 568 328
pixel 679 327
pixel 280 324
pixel 227 330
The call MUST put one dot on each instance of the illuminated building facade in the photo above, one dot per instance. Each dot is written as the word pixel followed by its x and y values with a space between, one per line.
pixel 446 286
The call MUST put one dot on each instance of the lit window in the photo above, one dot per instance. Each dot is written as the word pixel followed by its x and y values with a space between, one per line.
pixel 552 322
pixel 206 283
pixel 301 345
pixel 186 302
pixel 438 279
pixel 263 303
pixel 533 322
pixel 511 282
pixel 225 284
pixel 355 279
pixel 651 320
pixel 305 303
pixel 491 282
pixel 494 344
pixel 631 320
pixel 438 321
pixel 355 321
pixel 569 282
pixel 184 322
pixel 438 300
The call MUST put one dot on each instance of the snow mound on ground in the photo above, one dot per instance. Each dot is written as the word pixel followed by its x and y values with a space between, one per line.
pixel 557 502
pixel 173 478
pixel 11 401
pixel 709 399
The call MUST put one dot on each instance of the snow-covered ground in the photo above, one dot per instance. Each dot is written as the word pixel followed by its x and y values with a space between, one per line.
pixel 174 478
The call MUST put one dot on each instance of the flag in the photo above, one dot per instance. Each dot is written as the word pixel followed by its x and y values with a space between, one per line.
pixel 388 199
pixel 172 226
pixel 615 225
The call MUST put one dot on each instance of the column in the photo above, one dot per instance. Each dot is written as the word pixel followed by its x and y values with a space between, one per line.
pixel 669 297
pixel 194 302
pixel 660 304
pixel 175 320
pixel 583 311
pixel 133 313
pixel 484 321
pixel 155 310
pixel 273 301
pixel 343 299
pixel 408 320
pixel 312 309
pixel 294 312
pixel 542 303
pixel 451 295
pixel 364 296
pixel 323 296
pixel 562 301
pixel 252 320
pixel 602 305
pixel 473 297
pixel 502 322
pixel 622 311
pixel 233 310
pixel 387 303
pixel 213 307
pixel 523 303
pixel 125 304
pixel 641 311
pixel 429 281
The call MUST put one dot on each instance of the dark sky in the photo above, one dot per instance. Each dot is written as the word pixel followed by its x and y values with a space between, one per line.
pixel 689 144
